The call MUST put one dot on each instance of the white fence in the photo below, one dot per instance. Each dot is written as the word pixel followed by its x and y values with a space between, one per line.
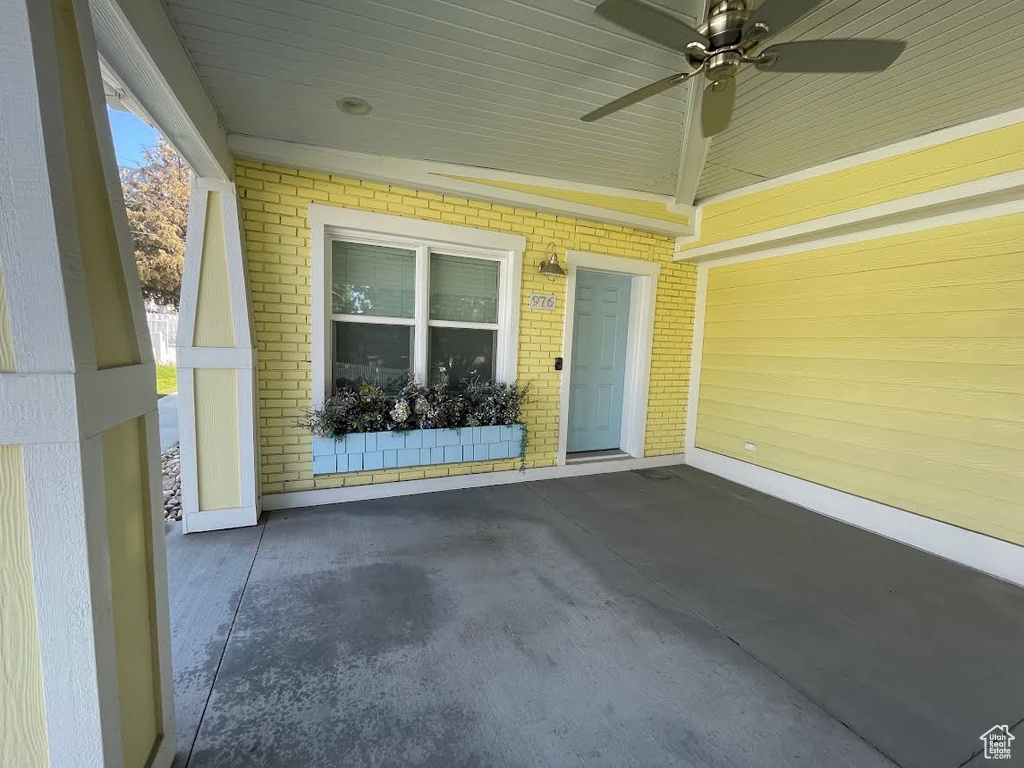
pixel 163 330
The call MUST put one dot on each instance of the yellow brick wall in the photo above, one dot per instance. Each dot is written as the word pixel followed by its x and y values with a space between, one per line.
pixel 275 202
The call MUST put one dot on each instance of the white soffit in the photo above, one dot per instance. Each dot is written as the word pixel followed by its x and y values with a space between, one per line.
pixel 494 83
pixel 963 62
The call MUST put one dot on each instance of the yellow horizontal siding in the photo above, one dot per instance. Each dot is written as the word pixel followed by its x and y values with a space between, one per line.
pixel 892 369
pixel 926 170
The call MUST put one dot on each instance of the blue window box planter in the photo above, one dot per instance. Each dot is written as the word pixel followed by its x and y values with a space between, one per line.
pixel 415 448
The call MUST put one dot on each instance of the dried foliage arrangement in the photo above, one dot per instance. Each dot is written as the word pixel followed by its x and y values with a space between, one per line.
pixel 370 409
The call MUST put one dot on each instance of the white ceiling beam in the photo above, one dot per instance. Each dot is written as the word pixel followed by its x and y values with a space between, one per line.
pixel 695 147
pixel 138 41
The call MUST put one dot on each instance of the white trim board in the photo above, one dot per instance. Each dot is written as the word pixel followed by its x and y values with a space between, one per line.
pixel 643 296
pixel 214 357
pixel 975 550
pixel 241 356
pixel 390 225
pixel 435 177
pixel 973 200
pixel 139 43
pixel 992 211
pixel 693 153
pixel 94 400
pixel 297 499
pixel 696 356
pixel 219 519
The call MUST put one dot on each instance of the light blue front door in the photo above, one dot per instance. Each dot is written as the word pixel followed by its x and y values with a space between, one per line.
pixel 600 326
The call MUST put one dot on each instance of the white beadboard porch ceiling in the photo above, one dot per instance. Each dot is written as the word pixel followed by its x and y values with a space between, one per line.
pixel 964 61
pixel 502 83
pixel 490 83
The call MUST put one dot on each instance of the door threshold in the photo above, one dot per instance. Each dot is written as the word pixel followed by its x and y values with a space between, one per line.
pixel 582 457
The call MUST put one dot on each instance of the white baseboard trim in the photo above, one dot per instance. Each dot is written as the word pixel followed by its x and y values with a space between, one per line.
pixel 219 519
pixel 164 756
pixel 296 499
pixel 975 550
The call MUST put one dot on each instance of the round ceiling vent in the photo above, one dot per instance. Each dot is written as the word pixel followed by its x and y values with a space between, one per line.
pixel 354 106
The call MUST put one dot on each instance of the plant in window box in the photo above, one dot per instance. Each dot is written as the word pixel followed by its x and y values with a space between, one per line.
pixel 419 425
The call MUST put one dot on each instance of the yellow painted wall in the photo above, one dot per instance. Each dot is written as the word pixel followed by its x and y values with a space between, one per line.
pixel 22 718
pixel 892 369
pixel 880 181
pixel 131 577
pixel 216 397
pixel 275 201
pixel 214 325
pixel 652 209
pixel 6 339
pixel 109 310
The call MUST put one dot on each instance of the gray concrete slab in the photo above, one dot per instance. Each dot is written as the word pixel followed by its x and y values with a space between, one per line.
pixel 484 627
pixel 206 575
pixel 167 410
pixel 917 654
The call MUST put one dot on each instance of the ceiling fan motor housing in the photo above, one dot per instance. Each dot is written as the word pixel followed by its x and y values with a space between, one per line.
pixel 731 38
pixel 724 26
pixel 724 29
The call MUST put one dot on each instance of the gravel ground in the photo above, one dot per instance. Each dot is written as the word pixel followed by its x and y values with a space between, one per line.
pixel 170 465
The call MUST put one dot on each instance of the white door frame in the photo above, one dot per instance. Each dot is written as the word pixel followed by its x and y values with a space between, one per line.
pixel 643 292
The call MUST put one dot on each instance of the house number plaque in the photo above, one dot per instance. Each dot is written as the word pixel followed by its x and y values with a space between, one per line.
pixel 545 302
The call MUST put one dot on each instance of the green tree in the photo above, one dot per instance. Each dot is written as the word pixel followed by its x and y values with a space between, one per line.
pixel 156 198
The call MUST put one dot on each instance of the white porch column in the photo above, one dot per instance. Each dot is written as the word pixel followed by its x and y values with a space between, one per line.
pixel 216 368
pixel 85 661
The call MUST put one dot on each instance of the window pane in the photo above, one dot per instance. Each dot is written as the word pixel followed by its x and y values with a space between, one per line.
pixel 465 353
pixel 463 289
pixel 372 280
pixel 380 355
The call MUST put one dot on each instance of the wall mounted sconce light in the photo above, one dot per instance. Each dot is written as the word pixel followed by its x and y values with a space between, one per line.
pixel 550 267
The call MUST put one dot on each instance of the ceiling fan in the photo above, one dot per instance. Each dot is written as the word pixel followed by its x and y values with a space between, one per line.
pixel 727 40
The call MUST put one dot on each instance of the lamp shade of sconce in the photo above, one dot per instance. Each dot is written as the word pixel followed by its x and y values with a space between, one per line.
pixel 550 266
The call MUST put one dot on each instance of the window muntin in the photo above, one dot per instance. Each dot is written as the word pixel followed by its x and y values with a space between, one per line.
pixel 401 307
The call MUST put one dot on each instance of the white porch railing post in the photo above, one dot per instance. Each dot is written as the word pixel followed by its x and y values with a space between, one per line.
pixel 217 406
pixel 83 577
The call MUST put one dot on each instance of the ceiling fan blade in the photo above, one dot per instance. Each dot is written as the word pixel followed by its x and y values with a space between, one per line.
pixel 716 111
pixel 638 95
pixel 652 23
pixel 831 56
pixel 779 14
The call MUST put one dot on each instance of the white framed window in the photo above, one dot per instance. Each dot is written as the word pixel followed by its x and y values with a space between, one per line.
pixel 393 296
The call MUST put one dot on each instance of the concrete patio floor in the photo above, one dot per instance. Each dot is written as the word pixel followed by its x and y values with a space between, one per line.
pixel 664 617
